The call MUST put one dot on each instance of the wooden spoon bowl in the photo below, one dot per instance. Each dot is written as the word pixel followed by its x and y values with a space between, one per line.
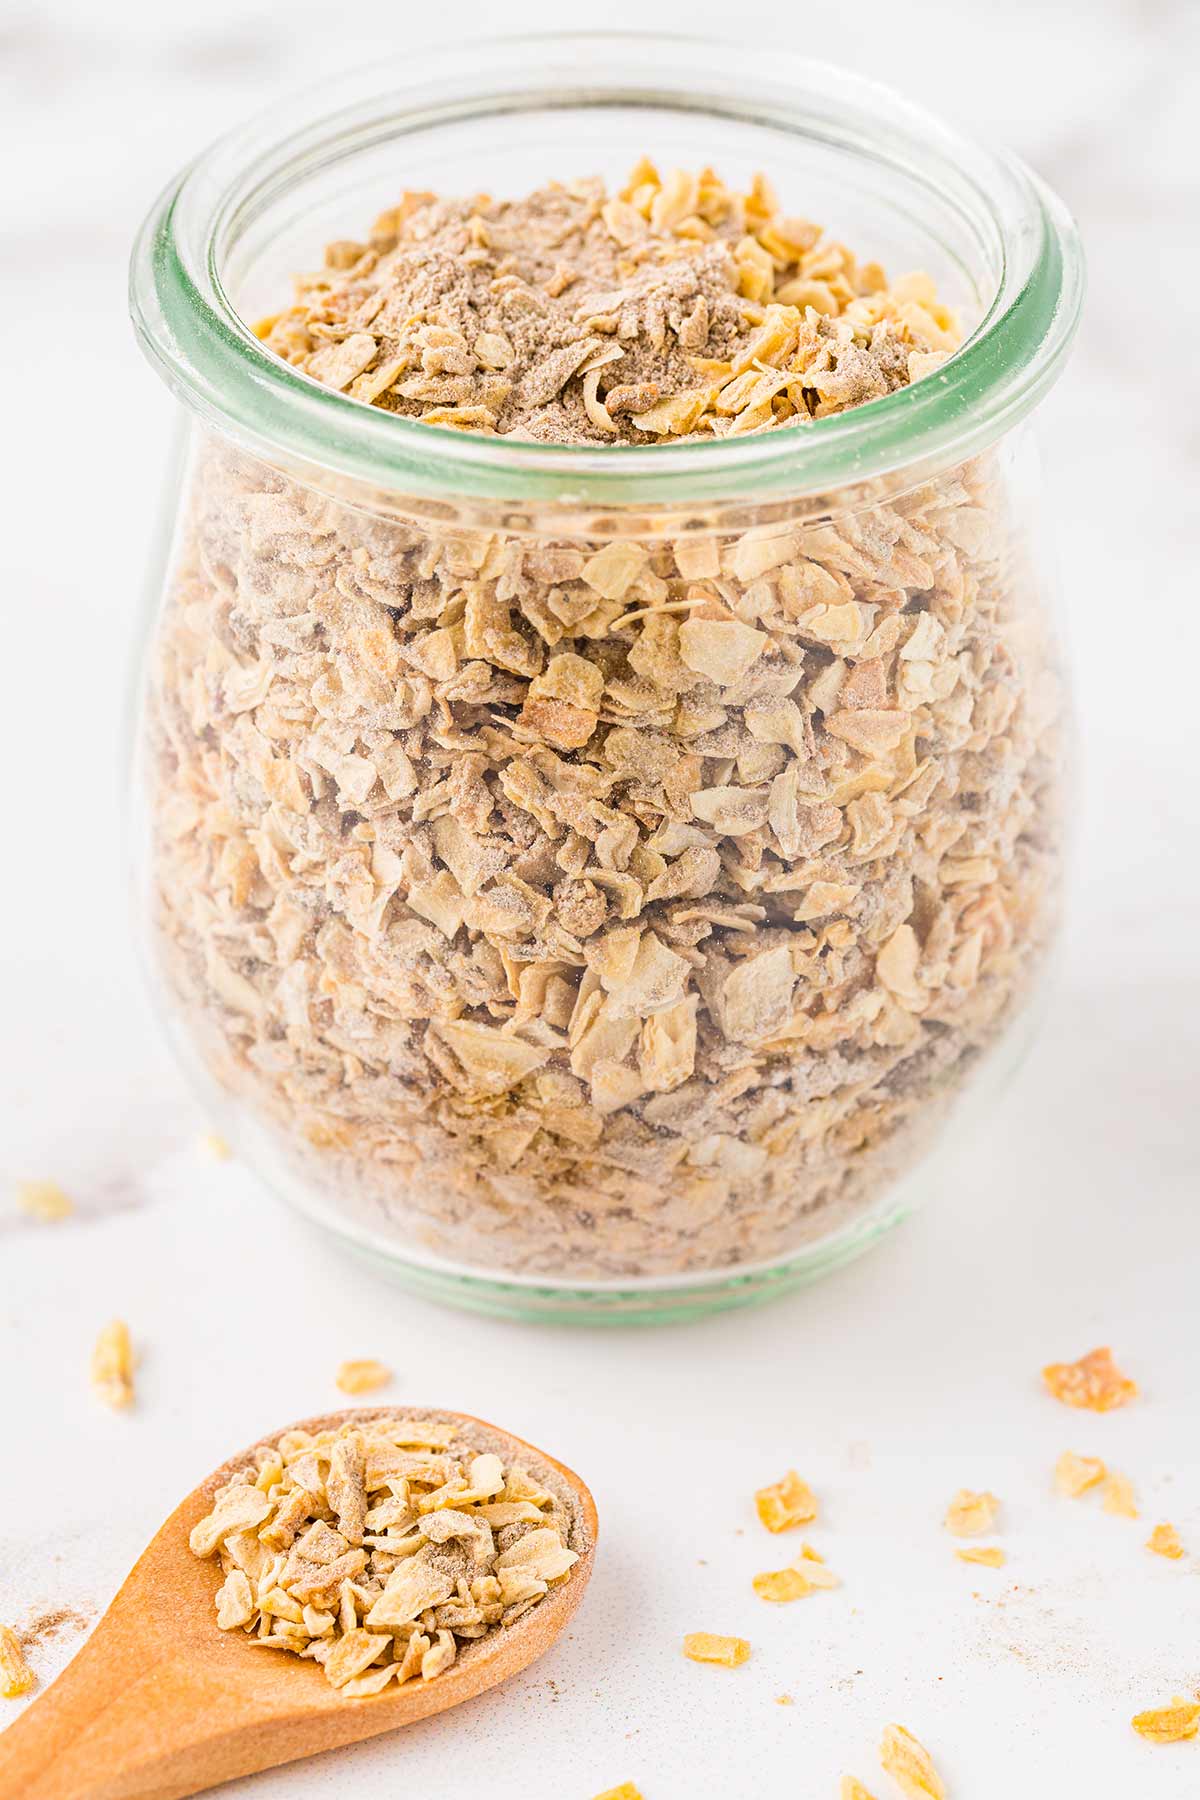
pixel 160 1702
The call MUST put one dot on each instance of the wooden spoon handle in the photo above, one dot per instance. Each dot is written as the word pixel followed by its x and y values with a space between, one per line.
pixel 78 1740
pixel 168 1729
pixel 90 1737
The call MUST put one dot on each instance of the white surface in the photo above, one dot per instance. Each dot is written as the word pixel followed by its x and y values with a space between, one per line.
pixel 1071 1219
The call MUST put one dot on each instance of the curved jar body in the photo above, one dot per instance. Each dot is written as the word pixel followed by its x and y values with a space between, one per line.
pixel 600 905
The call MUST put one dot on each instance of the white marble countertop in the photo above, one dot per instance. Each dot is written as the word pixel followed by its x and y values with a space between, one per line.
pixel 1070 1219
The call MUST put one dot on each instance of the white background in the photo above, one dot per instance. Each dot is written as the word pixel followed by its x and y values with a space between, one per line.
pixel 1070 1219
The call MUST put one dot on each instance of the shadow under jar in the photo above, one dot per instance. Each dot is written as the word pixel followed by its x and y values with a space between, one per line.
pixel 567 957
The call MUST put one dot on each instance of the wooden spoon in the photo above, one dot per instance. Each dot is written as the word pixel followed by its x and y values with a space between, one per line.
pixel 160 1703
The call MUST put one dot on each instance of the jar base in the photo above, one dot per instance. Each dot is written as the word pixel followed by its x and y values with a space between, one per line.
pixel 651 1302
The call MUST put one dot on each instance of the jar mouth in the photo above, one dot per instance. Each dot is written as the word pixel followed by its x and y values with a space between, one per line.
pixel 1019 235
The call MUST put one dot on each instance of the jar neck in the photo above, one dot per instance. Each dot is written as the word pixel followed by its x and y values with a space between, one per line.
pixel 227 215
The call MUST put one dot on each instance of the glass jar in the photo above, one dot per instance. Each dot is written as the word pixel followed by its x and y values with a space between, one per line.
pixel 563 968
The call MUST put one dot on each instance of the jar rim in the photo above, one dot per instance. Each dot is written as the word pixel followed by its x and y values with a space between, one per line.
pixel 211 358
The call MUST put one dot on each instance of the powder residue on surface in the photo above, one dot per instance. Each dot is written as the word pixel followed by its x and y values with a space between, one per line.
pixel 45 1627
